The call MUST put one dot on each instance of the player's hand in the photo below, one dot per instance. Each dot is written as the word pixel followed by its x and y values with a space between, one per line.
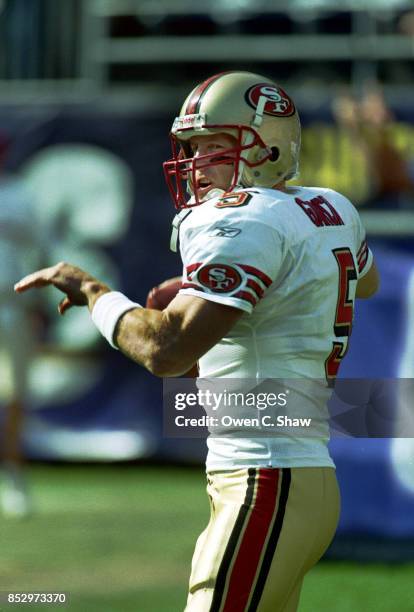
pixel 81 288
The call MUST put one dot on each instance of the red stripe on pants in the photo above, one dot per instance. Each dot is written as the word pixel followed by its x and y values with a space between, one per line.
pixel 254 538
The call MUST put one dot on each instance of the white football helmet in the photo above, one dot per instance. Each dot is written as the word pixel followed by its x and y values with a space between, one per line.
pixel 249 107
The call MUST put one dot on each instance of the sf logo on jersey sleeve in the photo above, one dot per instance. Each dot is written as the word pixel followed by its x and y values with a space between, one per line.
pixel 219 278
pixel 239 280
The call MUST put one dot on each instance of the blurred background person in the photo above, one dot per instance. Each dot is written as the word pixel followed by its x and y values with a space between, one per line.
pixel 19 249
pixel 371 125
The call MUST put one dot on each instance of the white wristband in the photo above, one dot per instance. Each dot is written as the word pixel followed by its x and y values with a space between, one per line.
pixel 107 311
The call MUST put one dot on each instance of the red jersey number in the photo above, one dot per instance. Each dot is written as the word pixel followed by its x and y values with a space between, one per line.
pixel 344 312
pixel 234 199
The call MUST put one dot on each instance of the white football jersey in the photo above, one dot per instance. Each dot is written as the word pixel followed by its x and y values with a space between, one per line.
pixel 291 261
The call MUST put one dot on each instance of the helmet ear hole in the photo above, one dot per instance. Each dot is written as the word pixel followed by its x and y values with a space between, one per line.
pixel 275 154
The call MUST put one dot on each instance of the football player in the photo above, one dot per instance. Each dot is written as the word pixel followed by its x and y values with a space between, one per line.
pixel 20 248
pixel 270 276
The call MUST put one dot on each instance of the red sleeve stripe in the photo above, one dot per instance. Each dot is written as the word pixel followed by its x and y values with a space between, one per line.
pixel 362 254
pixel 192 286
pixel 245 295
pixel 266 280
pixel 363 246
pixel 362 261
pixel 242 295
pixel 193 267
pixel 362 258
pixel 255 287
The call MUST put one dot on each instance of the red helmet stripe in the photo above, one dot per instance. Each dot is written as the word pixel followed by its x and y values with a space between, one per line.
pixel 195 100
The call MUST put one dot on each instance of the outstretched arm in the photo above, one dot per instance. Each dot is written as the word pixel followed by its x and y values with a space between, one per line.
pixel 168 342
pixel 81 288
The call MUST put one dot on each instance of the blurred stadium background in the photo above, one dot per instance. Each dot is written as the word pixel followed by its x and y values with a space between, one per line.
pixel 88 91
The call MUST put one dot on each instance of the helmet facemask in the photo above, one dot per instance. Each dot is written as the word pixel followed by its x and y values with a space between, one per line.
pixel 253 109
pixel 180 171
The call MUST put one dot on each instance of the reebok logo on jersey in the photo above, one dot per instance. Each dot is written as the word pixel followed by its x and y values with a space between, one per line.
pixel 225 231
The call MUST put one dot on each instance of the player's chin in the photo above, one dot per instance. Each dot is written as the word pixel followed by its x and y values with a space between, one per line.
pixel 208 192
pixel 203 192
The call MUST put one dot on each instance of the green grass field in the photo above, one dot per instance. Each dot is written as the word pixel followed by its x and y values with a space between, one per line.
pixel 120 539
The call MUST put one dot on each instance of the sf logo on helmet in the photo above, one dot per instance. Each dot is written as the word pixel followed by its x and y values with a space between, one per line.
pixel 278 103
pixel 219 278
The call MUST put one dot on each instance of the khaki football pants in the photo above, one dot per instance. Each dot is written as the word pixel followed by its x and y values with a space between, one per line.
pixel 267 528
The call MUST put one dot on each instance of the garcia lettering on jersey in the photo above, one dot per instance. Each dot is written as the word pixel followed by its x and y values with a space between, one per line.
pixel 320 211
pixel 362 257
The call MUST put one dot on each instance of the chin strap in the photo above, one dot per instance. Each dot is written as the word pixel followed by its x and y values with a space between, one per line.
pixel 176 222
pixel 258 117
pixel 247 141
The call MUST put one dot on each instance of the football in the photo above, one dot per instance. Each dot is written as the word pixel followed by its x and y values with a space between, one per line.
pixel 159 297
